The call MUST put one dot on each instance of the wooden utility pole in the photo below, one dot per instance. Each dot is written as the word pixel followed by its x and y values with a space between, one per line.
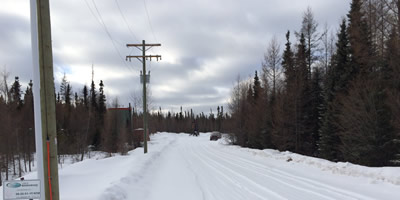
pixel 47 102
pixel 144 47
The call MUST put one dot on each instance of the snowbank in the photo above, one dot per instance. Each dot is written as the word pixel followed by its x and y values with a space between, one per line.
pixel 382 174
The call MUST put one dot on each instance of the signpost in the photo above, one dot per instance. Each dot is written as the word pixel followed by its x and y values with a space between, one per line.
pixel 29 189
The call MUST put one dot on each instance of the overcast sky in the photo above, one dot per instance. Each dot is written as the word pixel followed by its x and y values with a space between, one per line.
pixel 206 44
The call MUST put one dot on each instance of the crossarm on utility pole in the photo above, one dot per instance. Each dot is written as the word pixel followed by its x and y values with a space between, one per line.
pixel 141 45
pixel 146 57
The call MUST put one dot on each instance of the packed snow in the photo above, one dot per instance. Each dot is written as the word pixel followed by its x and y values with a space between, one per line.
pixel 179 166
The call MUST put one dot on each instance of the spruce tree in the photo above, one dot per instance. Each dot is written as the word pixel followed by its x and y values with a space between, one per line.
pixel 58 101
pixel 288 63
pixel 316 105
pixel 283 136
pixel 85 96
pixel 15 92
pixel 256 88
pixel 102 103
pixel 64 88
pixel 67 95
pixel 302 99
pixel 93 96
pixel 336 82
pixel 76 99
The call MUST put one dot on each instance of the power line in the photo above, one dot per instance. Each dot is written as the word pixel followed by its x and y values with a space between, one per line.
pixel 126 22
pixel 103 25
pixel 148 17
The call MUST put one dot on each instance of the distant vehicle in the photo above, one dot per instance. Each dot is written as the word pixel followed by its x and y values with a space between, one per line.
pixel 215 135
pixel 195 128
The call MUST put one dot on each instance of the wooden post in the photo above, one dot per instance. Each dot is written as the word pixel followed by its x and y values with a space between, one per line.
pixel 144 98
pixel 47 102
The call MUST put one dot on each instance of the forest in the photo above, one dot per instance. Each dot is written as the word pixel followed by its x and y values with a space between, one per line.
pixel 333 96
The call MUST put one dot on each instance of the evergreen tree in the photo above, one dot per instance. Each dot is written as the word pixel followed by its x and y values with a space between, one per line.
pixel 76 99
pixel 283 135
pixel 337 82
pixel 218 119
pixel 28 97
pixel 93 96
pixel 64 88
pixel 302 98
pixel 256 88
pixel 85 96
pixel 67 95
pixel 317 102
pixel 15 92
pixel 288 63
pixel 102 103
pixel 58 101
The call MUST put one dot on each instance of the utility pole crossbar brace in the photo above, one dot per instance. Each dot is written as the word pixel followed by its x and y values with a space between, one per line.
pixel 146 57
pixel 143 58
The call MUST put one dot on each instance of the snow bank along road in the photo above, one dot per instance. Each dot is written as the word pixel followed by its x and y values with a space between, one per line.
pixel 179 166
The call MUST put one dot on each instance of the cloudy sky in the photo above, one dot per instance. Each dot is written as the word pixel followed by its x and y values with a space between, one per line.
pixel 206 44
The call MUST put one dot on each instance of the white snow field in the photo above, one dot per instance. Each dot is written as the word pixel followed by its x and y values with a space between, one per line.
pixel 183 167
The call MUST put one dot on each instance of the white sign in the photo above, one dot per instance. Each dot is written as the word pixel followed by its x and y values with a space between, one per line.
pixel 27 189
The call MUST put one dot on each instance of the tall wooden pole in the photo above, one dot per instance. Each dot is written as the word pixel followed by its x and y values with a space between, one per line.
pixel 143 58
pixel 47 102
pixel 144 98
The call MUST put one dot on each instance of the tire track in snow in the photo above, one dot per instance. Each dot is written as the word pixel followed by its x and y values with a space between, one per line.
pixel 211 183
pixel 302 180
pixel 240 176
pixel 190 166
pixel 260 173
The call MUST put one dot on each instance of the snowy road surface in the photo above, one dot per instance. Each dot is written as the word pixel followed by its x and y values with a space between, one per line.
pixel 182 167
pixel 195 168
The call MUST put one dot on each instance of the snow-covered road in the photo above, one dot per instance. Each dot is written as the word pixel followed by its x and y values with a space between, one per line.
pixel 196 168
pixel 183 167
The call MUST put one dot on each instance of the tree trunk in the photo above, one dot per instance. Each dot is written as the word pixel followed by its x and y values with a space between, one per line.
pixel 7 163
pixel 19 166
pixel 30 161
pixel 1 167
pixel 25 162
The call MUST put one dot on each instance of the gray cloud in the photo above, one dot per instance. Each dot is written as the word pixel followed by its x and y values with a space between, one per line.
pixel 206 44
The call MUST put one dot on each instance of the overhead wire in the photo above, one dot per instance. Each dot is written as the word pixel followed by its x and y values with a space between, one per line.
pixel 103 25
pixel 151 27
pixel 148 18
pixel 126 22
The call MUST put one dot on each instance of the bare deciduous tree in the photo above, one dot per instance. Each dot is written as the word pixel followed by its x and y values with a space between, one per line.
pixel 271 66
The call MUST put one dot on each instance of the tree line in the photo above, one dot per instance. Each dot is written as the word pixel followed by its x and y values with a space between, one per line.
pixel 83 125
pixel 185 120
pixel 334 97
